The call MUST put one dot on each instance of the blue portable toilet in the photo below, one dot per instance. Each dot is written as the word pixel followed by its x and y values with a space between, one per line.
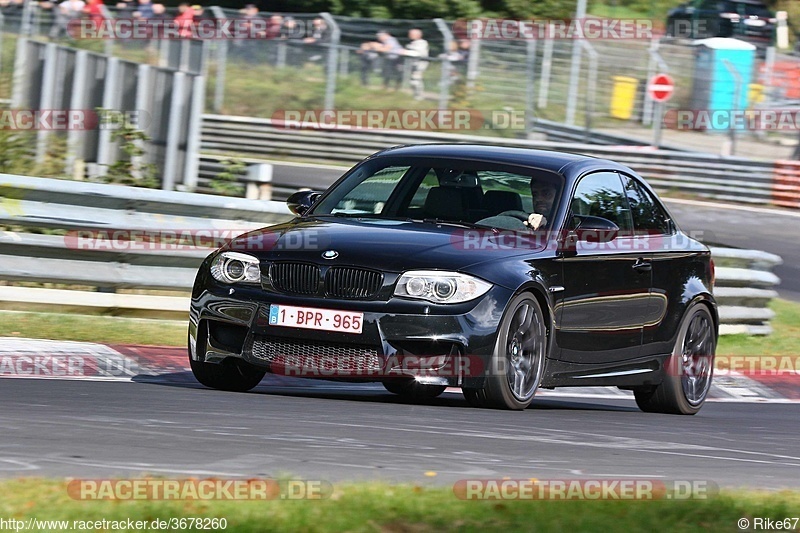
pixel 714 87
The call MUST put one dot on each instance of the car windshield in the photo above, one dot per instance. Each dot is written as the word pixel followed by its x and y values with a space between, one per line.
pixel 748 9
pixel 443 191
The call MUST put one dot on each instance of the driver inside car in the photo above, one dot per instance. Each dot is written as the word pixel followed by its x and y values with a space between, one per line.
pixel 544 195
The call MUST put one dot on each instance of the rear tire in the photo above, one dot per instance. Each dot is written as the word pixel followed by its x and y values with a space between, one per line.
pixel 518 361
pixel 688 370
pixel 409 389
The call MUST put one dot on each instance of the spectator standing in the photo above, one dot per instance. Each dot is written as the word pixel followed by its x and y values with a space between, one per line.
pixel 160 12
pixel 275 27
pixel 64 13
pixel 247 46
pixel 145 9
pixel 293 34
pixel 200 14
pixel 94 9
pixel 369 55
pixel 185 20
pixel 125 8
pixel 318 33
pixel 418 49
pixel 391 51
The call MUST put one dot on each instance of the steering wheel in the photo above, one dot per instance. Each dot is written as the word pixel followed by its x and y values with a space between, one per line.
pixel 519 215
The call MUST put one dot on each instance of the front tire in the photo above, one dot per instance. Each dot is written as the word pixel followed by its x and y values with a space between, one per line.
pixel 518 361
pixel 232 374
pixel 688 370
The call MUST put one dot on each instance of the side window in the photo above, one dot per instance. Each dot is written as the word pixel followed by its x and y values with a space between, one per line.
pixel 601 195
pixel 648 215
pixel 370 195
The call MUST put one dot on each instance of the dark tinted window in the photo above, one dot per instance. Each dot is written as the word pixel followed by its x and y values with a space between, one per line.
pixel 442 189
pixel 714 5
pixel 648 215
pixel 601 195
pixel 742 8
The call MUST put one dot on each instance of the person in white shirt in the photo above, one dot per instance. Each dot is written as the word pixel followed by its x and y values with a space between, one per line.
pixel 65 12
pixel 418 48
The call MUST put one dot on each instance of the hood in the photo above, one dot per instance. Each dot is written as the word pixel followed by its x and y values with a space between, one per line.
pixel 388 245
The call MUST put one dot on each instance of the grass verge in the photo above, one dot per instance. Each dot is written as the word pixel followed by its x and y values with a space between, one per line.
pixel 785 339
pixel 86 328
pixel 381 507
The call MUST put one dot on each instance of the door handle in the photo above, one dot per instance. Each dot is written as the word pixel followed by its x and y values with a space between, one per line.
pixel 642 265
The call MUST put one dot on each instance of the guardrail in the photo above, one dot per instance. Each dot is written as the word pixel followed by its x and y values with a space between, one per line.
pixel 744 287
pixel 707 175
pixel 106 238
pixel 786 188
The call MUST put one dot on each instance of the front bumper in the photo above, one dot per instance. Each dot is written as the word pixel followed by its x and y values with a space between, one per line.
pixel 436 344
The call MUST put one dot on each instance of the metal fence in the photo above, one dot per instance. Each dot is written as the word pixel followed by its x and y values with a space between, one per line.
pixel 316 61
pixel 163 103
pixel 707 175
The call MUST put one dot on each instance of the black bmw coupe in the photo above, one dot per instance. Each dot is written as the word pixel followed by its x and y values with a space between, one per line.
pixel 495 270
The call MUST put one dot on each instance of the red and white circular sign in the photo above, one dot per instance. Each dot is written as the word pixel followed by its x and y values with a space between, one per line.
pixel 660 87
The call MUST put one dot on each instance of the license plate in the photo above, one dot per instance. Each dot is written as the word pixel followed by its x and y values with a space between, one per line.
pixel 313 318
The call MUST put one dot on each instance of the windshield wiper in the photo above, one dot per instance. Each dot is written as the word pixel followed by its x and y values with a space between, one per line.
pixel 372 216
pixel 462 223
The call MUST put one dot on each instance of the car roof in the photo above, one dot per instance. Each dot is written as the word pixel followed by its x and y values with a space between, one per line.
pixel 565 163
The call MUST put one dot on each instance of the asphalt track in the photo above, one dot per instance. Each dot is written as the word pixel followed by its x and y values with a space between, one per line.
pixel 340 432
pixel 773 230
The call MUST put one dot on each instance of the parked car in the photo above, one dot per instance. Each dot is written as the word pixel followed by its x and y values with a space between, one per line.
pixel 750 20
pixel 496 270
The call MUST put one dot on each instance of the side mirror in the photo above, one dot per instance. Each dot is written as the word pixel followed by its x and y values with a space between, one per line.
pixel 595 229
pixel 301 201
pixel 588 229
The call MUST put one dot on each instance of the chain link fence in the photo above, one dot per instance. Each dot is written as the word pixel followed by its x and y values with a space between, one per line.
pixel 315 61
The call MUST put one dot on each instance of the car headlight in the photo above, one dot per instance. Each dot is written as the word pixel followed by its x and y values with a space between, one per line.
pixel 440 287
pixel 236 267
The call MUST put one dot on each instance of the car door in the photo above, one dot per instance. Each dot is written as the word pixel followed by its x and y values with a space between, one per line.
pixel 606 285
pixel 663 248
